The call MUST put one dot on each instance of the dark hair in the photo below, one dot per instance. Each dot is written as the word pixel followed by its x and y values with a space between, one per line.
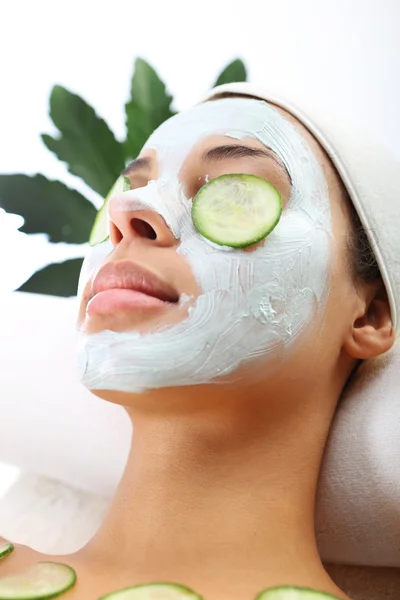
pixel 363 264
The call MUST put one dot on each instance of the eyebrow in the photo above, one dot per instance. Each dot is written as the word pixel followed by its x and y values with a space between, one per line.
pixel 137 165
pixel 217 153
pixel 238 151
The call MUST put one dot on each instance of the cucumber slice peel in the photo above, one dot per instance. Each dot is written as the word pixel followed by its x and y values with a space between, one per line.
pixel 174 591
pixel 43 580
pixel 99 231
pixel 287 592
pixel 6 549
pixel 236 210
pixel 154 591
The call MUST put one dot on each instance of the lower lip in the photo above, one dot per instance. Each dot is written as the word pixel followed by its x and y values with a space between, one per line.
pixel 114 300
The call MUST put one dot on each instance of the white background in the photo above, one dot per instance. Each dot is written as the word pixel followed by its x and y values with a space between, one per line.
pixel 346 51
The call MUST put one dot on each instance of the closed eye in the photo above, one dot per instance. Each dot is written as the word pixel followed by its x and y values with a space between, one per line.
pixel 237 151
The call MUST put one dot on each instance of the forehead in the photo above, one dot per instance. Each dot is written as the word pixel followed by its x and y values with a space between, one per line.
pixel 236 118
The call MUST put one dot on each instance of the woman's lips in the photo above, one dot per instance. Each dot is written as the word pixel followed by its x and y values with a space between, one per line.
pixel 120 299
pixel 124 285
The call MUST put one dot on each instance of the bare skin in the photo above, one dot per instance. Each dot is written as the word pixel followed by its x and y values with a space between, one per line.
pixel 219 489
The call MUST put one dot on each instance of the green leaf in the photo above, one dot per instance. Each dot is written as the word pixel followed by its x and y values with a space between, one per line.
pixel 148 107
pixel 86 142
pixel 48 207
pixel 58 279
pixel 235 71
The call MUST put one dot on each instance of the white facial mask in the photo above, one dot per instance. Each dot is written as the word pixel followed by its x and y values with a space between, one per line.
pixel 253 304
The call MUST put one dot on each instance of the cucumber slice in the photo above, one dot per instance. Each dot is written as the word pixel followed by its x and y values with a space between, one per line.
pixel 287 592
pixel 43 580
pixel 6 549
pixel 99 231
pixel 236 210
pixel 154 591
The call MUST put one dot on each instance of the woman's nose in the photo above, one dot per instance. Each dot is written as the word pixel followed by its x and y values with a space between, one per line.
pixel 147 224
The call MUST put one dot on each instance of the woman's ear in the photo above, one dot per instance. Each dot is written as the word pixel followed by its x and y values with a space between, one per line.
pixel 371 333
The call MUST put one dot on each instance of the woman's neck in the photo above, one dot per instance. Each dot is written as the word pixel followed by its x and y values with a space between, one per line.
pixel 220 496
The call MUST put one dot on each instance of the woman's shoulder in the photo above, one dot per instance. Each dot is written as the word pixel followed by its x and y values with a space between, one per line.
pixel 19 558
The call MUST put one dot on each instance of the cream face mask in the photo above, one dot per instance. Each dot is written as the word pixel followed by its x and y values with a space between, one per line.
pixel 253 306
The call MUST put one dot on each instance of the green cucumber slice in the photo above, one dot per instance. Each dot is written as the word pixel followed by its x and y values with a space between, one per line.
pixel 99 231
pixel 287 592
pixel 236 210
pixel 154 591
pixel 43 580
pixel 6 549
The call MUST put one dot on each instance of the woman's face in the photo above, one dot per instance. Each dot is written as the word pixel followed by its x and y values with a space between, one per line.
pixel 211 312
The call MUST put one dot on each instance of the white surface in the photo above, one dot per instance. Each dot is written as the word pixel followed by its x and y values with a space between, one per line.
pixel 50 424
pixel 50 516
pixel 8 476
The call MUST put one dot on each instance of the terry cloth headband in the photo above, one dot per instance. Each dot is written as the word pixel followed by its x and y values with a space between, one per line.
pixel 369 171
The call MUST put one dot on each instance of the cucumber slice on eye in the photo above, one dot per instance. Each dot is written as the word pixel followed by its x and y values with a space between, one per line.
pixel 236 210
pixel 6 549
pixel 99 231
pixel 154 591
pixel 43 580
pixel 287 592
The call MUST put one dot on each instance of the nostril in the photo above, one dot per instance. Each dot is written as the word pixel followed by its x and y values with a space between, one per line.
pixel 143 229
pixel 115 234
